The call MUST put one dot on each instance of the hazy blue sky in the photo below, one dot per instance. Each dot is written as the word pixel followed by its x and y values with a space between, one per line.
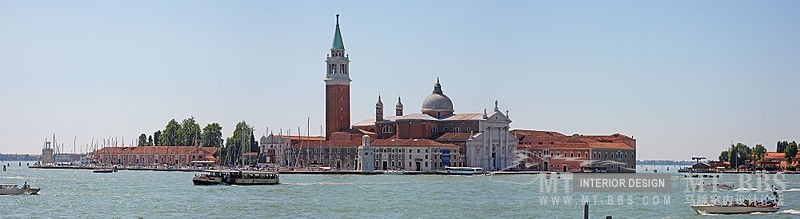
pixel 683 77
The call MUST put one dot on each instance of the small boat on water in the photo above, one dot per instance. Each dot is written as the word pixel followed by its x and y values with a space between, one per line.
pixel 236 177
pixel 734 209
pixel 462 170
pixel 747 207
pixel 718 186
pixel 11 189
pixel 393 172
pixel 104 170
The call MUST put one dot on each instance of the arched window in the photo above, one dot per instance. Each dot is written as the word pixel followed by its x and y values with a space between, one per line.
pixel 387 129
pixel 434 130
pixel 456 129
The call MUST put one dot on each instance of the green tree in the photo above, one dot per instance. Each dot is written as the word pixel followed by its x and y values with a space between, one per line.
pixel 212 135
pixel 790 152
pixel 150 140
pixel 142 140
pixel 170 136
pixel 739 154
pixel 724 156
pixel 759 151
pixel 157 138
pixel 189 132
pixel 782 146
pixel 235 145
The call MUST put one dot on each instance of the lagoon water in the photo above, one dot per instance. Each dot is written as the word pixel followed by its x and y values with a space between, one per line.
pixel 149 194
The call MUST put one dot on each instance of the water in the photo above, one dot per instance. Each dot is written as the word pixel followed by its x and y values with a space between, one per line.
pixel 148 194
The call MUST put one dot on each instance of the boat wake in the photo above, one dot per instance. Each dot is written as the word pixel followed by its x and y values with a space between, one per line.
pixel 790 211
pixel 318 183
pixel 745 189
pixel 11 177
pixel 792 190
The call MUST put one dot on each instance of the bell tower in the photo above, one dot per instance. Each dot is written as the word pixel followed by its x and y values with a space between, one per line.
pixel 379 110
pixel 337 86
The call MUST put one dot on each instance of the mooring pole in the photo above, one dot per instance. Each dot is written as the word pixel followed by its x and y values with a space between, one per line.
pixel 586 210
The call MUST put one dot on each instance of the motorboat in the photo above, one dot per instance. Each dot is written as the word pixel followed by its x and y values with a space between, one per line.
pixel 104 170
pixel 393 172
pixel 236 177
pixel 550 175
pixel 747 207
pixel 462 170
pixel 11 189
pixel 718 186
pixel 734 209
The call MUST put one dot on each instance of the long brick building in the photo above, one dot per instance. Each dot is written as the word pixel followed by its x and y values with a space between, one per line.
pixel 553 151
pixel 154 155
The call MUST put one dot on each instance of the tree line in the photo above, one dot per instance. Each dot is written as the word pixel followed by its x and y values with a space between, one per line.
pixel 741 154
pixel 185 133
pixel 188 133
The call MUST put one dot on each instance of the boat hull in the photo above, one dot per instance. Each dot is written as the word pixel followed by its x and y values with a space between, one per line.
pixel 711 209
pixel 206 179
pixel 461 173
pixel 254 182
pixel 103 171
pixel 204 182
pixel 16 191
pixel 32 191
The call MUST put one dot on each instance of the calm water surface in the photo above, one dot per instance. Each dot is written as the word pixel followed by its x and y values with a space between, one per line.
pixel 148 194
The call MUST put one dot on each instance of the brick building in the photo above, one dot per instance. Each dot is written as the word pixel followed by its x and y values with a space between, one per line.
pixel 154 155
pixel 553 151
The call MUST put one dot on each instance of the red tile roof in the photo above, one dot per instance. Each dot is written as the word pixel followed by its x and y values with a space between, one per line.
pixel 549 139
pixel 408 143
pixel 455 136
pixel 610 145
pixel 778 156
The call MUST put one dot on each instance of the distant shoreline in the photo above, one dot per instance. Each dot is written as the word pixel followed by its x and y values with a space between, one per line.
pixel 665 162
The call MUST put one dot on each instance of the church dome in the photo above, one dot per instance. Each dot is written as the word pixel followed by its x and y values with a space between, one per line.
pixel 437 104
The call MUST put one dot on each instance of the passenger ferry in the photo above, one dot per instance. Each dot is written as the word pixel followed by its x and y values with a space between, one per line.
pixel 236 177
pixel 462 170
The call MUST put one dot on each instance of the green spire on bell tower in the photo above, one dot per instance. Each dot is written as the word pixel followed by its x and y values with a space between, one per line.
pixel 337 37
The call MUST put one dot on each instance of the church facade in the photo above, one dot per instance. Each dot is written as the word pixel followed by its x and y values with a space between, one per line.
pixel 435 137
pixel 483 138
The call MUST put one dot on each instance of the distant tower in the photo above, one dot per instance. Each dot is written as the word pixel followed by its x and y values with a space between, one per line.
pixel 379 110
pixel 398 108
pixel 337 86
pixel 366 156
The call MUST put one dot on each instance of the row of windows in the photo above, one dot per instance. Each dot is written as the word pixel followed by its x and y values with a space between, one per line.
pixel 595 155
pixel 558 154
pixel 435 130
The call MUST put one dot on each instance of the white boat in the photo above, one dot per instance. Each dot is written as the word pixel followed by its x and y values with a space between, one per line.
pixel 718 186
pixel 393 172
pixel 462 170
pixel 236 177
pixel 11 189
pixel 734 209
pixel 766 206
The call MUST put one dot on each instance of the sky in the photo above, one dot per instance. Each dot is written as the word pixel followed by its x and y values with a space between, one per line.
pixel 684 78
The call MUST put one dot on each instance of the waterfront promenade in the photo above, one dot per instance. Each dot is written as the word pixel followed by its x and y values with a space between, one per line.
pixel 281 171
